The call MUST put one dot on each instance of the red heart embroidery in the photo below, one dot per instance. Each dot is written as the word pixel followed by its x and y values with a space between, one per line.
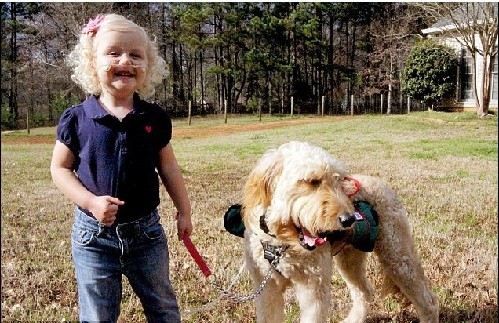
pixel 148 129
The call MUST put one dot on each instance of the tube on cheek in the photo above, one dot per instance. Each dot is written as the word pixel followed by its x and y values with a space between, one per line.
pixel 108 66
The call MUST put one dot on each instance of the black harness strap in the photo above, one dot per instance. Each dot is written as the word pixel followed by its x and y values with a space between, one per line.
pixel 264 227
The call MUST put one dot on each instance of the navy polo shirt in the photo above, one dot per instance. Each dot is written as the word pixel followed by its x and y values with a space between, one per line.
pixel 118 158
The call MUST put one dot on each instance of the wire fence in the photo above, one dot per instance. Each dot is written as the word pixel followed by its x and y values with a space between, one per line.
pixel 354 105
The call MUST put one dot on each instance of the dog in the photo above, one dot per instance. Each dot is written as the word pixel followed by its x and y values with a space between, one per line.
pixel 297 209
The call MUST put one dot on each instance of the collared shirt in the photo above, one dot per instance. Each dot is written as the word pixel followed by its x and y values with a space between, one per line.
pixel 118 158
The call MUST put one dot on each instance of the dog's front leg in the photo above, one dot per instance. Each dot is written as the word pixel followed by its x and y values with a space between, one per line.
pixel 314 300
pixel 270 303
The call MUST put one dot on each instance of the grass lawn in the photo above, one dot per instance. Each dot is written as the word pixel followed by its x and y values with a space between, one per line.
pixel 443 166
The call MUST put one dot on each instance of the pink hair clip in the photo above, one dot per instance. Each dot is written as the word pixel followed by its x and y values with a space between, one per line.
pixel 93 25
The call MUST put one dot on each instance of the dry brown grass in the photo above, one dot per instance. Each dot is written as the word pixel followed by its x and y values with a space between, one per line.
pixel 444 167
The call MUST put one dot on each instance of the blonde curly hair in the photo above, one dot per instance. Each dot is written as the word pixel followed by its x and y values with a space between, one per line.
pixel 81 58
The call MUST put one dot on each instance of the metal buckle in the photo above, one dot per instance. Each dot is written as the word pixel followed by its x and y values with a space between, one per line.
pixel 271 252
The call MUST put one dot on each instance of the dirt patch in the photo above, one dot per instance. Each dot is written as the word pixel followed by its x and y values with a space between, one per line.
pixel 28 139
pixel 184 131
pixel 227 129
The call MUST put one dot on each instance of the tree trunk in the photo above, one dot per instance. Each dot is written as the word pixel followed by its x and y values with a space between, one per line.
pixel 477 92
pixel 164 48
pixel 201 75
pixel 390 87
pixel 181 75
pixel 175 69
pixel 487 66
pixel 331 57
pixel 13 109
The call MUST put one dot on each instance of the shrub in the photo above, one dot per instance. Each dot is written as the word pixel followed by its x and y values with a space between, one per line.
pixel 61 102
pixel 8 119
pixel 430 73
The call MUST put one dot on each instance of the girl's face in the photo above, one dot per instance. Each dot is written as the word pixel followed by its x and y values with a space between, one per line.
pixel 120 61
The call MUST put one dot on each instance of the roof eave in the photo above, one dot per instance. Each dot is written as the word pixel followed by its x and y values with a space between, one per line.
pixel 434 30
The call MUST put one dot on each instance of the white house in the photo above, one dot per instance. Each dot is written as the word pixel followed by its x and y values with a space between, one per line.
pixel 444 32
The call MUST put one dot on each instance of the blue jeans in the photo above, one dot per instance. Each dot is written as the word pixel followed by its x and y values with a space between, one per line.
pixel 138 250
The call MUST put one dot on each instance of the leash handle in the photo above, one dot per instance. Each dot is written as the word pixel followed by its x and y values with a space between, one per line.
pixel 197 257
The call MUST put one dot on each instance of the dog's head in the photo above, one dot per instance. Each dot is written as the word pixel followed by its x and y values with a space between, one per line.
pixel 298 188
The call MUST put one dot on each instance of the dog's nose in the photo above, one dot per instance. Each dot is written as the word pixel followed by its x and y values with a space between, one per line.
pixel 346 219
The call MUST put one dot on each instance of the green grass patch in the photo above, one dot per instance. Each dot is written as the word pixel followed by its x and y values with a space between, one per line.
pixel 442 165
pixel 459 147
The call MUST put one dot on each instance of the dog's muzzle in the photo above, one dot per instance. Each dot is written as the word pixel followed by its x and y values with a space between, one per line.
pixel 347 220
pixel 310 242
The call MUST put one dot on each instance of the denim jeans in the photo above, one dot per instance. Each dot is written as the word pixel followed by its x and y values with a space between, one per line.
pixel 138 250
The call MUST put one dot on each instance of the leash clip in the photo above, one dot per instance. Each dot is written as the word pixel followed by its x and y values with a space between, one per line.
pixel 271 252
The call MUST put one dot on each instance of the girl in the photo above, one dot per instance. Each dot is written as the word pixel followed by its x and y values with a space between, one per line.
pixel 106 160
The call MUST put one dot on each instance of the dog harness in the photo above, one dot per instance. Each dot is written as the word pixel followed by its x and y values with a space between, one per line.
pixel 361 235
pixel 364 231
pixel 233 221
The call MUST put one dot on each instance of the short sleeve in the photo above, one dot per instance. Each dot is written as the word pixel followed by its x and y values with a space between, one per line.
pixel 66 131
pixel 164 136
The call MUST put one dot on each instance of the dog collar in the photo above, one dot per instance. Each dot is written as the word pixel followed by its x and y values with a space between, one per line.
pixel 264 227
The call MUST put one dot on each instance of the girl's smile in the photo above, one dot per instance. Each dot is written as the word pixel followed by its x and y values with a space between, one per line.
pixel 122 74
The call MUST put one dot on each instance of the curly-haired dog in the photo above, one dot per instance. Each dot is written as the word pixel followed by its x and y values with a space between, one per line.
pixel 294 205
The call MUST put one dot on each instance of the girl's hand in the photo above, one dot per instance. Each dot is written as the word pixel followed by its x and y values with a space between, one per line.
pixel 184 226
pixel 104 209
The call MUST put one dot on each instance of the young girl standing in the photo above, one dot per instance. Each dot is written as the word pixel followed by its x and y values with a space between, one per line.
pixel 106 160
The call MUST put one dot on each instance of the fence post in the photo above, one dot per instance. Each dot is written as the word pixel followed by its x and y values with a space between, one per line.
pixel 408 104
pixel 27 121
pixel 270 99
pixel 291 106
pixel 260 109
pixel 351 104
pixel 323 101
pixel 189 113
pixel 381 103
pixel 225 111
pixel 282 102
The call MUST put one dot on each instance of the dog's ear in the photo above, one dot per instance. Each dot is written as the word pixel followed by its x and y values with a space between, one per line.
pixel 259 186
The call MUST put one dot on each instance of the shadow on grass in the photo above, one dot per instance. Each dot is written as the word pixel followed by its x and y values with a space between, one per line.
pixel 486 314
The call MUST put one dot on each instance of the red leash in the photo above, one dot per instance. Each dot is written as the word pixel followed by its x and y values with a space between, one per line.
pixel 197 257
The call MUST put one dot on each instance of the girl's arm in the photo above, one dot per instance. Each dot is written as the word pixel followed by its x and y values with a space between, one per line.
pixel 104 208
pixel 170 174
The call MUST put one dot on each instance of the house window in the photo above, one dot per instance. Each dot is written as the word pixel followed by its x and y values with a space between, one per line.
pixel 466 76
pixel 494 83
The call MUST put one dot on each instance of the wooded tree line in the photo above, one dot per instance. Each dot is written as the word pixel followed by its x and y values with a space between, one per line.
pixel 245 54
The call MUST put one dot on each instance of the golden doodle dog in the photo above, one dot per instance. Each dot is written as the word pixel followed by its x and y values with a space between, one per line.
pixel 297 211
